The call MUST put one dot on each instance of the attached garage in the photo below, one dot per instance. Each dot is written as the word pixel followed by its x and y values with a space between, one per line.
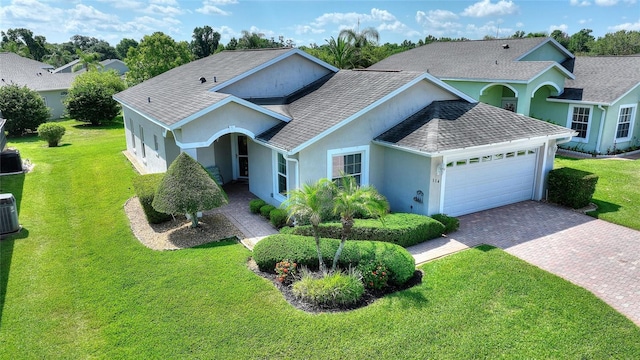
pixel 495 179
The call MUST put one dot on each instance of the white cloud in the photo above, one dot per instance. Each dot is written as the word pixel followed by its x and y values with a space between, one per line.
pixel 579 3
pixel 561 27
pixel 486 8
pixel 156 9
pixel 519 24
pixel 492 28
pixel 606 2
pixel 28 10
pixel 124 4
pixel 626 26
pixel 382 15
pixel 306 29
pixel 212 7
pixel 584 21
pixel 438 22
pixel 164 2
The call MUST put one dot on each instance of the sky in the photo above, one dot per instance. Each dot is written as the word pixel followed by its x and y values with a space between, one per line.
pixel 314 21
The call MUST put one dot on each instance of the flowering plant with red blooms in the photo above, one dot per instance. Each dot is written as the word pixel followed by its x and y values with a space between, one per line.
pixel 286 271
pixel 374 275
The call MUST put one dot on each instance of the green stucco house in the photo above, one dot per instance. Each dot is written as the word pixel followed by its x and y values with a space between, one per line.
pixel 595 96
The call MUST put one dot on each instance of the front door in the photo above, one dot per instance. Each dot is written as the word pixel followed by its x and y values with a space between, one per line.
pixel 242 157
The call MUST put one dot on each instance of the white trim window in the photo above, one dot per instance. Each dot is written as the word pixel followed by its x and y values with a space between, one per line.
pixel 349 161
pixel 625 122
pixel 281 180
pixel 580 120
pixel 142 147
pixel 133 136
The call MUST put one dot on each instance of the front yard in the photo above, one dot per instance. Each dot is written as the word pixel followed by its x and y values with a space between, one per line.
pixel 75 283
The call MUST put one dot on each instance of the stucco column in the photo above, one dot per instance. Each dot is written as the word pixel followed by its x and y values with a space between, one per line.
pixel 193 152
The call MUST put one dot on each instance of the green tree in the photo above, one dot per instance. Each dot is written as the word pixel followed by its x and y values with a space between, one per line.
pixel 341 52
pixel 89 61
pixel 123 47
pixel 205 41
pixel 311 202
pixel 155 55
pixel 24 37
pixel 362 43
pixel 251 40
pixel 619 43
pixel 561 37
pixel 232 44
pixel 581 42
pixel 518 34
pixel 187 188
pixel 90 97
pixel 351 199
pixel 51 133
pixel 23 108
pixel 57 55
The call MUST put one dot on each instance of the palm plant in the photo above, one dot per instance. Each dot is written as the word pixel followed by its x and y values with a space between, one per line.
pixel 311 201
pixel 351 199
pixel 360 39
pixel 89 61
pixel 341 51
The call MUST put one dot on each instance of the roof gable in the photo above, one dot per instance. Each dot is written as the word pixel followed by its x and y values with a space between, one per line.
pixel 15 69
pixel 450 125
pixel 480 60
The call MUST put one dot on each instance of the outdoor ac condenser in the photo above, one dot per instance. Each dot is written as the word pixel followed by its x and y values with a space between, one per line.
pixel 8 215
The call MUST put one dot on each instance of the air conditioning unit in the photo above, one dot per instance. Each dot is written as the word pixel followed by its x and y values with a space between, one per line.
pixel 8 215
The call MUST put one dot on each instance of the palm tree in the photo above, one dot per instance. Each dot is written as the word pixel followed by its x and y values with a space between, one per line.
pixel 368 36
pixel 89 61
pixel 311 201
pixel 341 52
pixel 351 199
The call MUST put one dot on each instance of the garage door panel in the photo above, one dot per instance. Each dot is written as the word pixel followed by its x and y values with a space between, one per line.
pixel 479 185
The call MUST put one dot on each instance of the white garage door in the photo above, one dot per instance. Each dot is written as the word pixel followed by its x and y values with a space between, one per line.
pixel 484 182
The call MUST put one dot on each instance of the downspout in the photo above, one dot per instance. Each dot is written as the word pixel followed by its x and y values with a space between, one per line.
pixel 602 117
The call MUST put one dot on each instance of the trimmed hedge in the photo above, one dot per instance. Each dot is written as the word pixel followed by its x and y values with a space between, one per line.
pixel 399 228
pixel 145 187
pixel 450 223
pixel 278 218
pixel 571 187
pixel 255 205
pixel 302 249
pixel 265 210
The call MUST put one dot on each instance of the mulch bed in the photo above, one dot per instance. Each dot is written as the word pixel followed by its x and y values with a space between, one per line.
pixel 368 298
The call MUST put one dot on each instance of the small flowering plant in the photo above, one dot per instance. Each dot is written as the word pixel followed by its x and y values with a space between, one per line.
pixel 374 275
pixel 286 271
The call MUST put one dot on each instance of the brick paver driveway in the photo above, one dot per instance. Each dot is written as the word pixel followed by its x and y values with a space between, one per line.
pixel 602 257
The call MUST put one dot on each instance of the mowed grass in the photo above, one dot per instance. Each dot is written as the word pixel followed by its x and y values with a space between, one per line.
pixel 76 284
pixel 618 190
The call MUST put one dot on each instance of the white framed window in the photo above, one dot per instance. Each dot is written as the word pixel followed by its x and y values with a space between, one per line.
pixel 580 120
pixel 144 152
pixel 280 180
pixel 352 161
pixel 155 142
pixel 626 115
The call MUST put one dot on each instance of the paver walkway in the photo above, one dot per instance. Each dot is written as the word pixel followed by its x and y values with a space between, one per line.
pixel 599 256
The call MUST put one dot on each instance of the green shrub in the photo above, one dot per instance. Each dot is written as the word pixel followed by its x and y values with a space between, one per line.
pixel 398 228
pixel 302 250
pixel 255 205
pixel 571 187
pixel 375 275
pixel 332 289
pixel 145 187
pixel 450 223
pixel 51 133
pixel 265 210
pixel 278 218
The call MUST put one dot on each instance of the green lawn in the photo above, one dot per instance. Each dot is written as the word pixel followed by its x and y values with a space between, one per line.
pixel 617 192
pixel 76 284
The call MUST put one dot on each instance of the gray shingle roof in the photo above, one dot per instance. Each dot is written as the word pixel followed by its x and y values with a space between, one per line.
pixel 341 96
pixel 15 69
pixel 602 79
pixel 178 93
pixel 456 124
pixel 481 59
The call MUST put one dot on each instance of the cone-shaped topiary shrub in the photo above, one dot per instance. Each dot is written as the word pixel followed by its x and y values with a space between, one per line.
pixel 187 188
pixel 51 133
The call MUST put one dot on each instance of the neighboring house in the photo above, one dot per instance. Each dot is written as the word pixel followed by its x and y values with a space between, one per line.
pixel 3 136
pixel 115 64
pixel 15 69
pixel 538 77
pixel 279 118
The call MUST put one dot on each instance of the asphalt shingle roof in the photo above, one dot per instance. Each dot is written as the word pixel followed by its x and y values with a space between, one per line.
pixel 15 69
pixel 337 99
pixel 602 79
pixel 178 93
pixel 456 124
pixel 481 59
